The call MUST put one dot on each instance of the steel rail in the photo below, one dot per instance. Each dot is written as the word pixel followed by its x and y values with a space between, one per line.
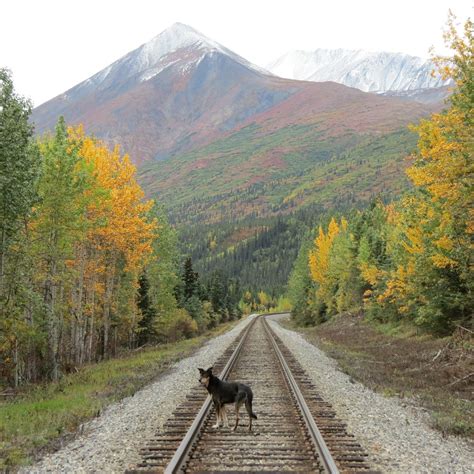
pixel 181 455
pixel 325 455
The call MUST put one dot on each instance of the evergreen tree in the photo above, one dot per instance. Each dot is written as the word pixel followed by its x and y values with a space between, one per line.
pixel 300 286
pixel 217 292
pixel 190 279
pixel 144 303
pixel 19 167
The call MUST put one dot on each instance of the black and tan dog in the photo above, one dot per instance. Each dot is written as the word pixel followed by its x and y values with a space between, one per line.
pixel 223 393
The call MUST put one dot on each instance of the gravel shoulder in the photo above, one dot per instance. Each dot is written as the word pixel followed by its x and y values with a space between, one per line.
pixel 396 436
pixel 111 442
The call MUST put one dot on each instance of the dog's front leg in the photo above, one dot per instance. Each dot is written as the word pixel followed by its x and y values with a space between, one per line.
pixel 218 416
pixel 237 408
pixel 224 417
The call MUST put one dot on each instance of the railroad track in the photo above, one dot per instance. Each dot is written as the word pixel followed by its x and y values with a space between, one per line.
pixel 296 430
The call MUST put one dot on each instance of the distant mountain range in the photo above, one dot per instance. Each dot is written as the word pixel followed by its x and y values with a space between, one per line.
pixel 182 90
pixel 364 70
pixel 216 136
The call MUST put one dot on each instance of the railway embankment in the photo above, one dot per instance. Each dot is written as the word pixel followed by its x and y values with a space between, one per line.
pixel 397 437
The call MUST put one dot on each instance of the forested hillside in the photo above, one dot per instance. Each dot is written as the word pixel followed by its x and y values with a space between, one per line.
pixel 258 252
pixel 411 259
pixel 242 204
pixel 255 234
pixel 88 266
pixel 257 172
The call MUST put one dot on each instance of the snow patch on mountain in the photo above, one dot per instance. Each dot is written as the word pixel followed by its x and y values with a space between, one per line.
pixel 176 37
pixel 364 70
pixel 171 46
pixel 154 71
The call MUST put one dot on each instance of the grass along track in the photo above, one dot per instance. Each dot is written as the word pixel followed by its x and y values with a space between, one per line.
pixel 41 418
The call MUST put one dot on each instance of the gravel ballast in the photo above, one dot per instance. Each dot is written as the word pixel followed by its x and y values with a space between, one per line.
pixel 397 437
pixel 111 442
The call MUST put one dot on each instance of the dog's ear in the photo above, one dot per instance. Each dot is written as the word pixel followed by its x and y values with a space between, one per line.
pixel 201 370
pixel 209 370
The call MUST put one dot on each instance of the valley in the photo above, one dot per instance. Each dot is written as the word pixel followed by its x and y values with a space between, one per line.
pixel 217 139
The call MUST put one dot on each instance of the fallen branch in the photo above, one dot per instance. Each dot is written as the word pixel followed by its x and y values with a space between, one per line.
pixel 460 380
pixel 437 355
pixel 465 329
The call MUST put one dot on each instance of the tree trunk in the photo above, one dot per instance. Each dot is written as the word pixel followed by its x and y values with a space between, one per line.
pixel 2 260
pixel 50 300
pixel 109 287
pixel 52 323
pixel 91 319
pixel 78 310
pixel 15 362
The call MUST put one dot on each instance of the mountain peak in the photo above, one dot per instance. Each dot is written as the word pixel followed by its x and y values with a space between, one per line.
pixel 178 36
pixel 152 57
pixel 181 29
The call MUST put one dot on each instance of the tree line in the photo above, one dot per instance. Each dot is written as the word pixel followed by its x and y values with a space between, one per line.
pixel 88 266
pixel 411 259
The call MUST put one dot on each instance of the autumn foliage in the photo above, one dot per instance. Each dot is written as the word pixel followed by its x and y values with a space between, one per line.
pixel 410 259
pixel 71 274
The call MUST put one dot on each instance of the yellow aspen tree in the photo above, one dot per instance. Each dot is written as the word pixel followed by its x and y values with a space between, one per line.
pixel 123 240
pixel 319 256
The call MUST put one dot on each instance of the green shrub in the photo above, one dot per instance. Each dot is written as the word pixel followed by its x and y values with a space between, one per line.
pixel 175 326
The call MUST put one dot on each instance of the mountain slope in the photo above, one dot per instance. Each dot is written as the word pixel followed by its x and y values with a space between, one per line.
pixel 325 143
pixel 367 71
pixel 182 91
pixel 179 90
pixel 217 125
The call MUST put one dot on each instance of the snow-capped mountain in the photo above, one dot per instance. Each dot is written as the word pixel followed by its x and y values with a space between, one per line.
pixel 182 90
pixel 156 55
pixel 367 71
pixel 168 94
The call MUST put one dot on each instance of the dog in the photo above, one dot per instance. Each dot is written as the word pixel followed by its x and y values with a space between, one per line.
pixel 223 393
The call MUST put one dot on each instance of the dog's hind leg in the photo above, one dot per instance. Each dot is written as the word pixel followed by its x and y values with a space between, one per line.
pixel 252 415
pixel 240 400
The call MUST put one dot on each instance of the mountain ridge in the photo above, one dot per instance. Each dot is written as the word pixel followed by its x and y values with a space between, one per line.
pixel 177 92
pixel 167 95
pixel 365 70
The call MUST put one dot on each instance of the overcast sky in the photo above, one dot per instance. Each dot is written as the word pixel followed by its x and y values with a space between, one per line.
pixel 51 45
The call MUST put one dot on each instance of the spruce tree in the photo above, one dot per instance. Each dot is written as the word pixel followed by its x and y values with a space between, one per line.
pixel 190 279
pixel 146 308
